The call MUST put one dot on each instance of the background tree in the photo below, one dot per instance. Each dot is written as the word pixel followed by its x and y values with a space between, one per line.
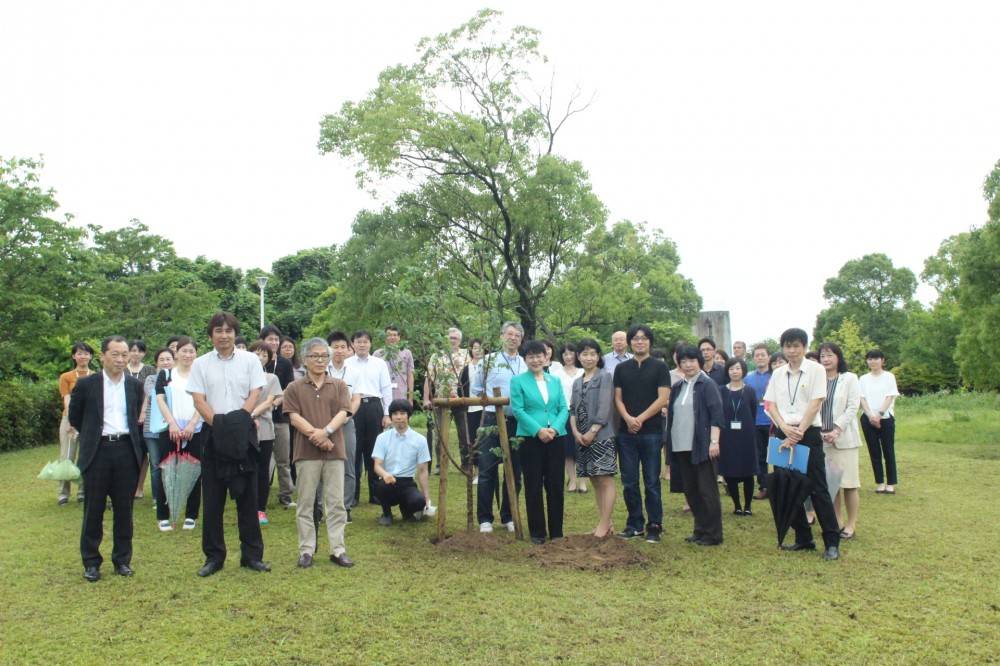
pixel 44 268
pixel 853 343
pixel 978 296
pixel 877 295
pixel 457 124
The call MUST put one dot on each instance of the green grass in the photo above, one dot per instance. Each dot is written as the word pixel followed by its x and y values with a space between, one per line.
pixel 918 585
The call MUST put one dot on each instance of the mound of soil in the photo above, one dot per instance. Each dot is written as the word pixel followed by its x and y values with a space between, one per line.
pixel 588 553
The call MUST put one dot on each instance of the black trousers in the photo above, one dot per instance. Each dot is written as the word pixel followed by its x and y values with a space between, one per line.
pixel 367 426
pixel 543 467
pixel 762 435
pixel 403 493
pixel 113 473
pixel 214 491
pixel 489 475
pixel 702 494
pixel 193 506
pixel 822 504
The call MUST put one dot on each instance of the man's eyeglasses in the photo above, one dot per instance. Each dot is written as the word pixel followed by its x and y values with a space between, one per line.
pixel 318 357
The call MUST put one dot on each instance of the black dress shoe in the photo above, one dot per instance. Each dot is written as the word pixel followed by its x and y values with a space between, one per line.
pixel 691 538
pixel 124 570
pixel 256 565
pixel 92 574
pixel 707 542
pixel 210 568
pixel 808 545
pixel 305 561
pixel 342 560
pixel 832 553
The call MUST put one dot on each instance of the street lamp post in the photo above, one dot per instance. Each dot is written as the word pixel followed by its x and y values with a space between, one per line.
pixel 262 282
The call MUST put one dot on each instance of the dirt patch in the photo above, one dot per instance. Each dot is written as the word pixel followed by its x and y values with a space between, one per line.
pixel 474 542
pixel 588 553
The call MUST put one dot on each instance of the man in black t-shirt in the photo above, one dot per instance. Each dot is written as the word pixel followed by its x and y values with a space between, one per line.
pixel 642 388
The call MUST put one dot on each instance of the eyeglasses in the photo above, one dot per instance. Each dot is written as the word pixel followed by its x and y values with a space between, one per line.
pixel 318 357
pixel 640 338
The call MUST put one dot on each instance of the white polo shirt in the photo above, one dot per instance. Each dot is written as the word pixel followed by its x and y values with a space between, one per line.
pixel 791 392
pixel 226 382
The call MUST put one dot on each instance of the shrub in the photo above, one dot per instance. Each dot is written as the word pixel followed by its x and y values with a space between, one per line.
pixel 29 414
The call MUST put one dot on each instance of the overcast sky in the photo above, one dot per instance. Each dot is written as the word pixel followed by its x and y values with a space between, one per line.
pixel 771 141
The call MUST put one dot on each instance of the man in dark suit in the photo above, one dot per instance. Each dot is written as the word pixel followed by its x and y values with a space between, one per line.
pixel 104 408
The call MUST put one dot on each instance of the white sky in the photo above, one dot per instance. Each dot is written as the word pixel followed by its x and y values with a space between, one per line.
pixel 771 141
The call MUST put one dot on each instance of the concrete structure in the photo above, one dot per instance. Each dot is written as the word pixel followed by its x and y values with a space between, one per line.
pixel 715 324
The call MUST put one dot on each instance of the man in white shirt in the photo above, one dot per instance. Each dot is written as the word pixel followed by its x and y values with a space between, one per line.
pixel 340 348
pixel 372 417
pixel 794 396
pixel 224 382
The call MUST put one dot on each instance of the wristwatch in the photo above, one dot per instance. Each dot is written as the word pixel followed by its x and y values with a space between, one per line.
pixel 329 430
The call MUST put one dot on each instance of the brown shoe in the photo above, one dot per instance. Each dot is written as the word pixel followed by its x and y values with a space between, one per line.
pixel 305 561
pixel 342 560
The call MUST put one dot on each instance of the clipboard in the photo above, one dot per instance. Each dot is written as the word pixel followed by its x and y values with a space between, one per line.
pixel 796 458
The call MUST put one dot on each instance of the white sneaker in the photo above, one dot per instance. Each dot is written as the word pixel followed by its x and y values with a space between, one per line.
pixel 165 526
pixel 509 526
pixel 189 523
pixel 485 527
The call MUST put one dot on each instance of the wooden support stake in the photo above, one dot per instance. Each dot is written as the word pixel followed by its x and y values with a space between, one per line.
pixel 508 469
pixel 442 425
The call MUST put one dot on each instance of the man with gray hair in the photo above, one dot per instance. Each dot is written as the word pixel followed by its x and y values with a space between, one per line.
pixel 443 380
pixel 498 370
pixel 318 406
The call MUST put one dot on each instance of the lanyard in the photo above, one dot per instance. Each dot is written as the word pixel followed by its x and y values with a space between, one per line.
pixel 798 383
pixel 736 405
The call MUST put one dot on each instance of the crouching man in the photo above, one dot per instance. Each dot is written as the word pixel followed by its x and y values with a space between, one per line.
pixel 401 455
pixel 318 406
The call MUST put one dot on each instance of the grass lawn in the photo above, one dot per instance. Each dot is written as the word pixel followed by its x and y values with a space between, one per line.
pixel 918 585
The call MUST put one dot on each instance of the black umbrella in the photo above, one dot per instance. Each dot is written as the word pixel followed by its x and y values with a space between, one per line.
pixel 787 489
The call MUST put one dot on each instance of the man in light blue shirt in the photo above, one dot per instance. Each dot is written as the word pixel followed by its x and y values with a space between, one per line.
pixel 618 354
pixel 497 371
pixel 400 455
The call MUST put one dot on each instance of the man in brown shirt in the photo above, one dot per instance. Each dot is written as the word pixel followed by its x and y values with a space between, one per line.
pixel 318 405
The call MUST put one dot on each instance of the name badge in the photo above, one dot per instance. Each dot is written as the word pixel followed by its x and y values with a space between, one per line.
pixel 735 425
pixel 394 385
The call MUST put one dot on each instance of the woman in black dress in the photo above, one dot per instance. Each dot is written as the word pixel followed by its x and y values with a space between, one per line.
pixel 737 442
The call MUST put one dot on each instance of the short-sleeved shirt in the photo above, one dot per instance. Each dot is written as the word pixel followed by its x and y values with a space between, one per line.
pixel 640 384
pixel 318 405
pixel 718 374
pixel 226 382
pixel 791 392
pixel 401 454
pixel 876 389
pixel 400 362
pixel 445 370
pixel 758 381
pixel 67 381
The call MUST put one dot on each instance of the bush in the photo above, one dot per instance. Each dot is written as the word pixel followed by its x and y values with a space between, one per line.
pixel 29 414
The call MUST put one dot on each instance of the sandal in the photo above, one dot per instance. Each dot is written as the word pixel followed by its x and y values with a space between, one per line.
pixel 844 534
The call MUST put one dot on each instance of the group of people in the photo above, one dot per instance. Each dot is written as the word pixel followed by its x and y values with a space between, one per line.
pixel 329 411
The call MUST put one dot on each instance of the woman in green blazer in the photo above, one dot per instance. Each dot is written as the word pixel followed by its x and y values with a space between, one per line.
pixel 540 407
